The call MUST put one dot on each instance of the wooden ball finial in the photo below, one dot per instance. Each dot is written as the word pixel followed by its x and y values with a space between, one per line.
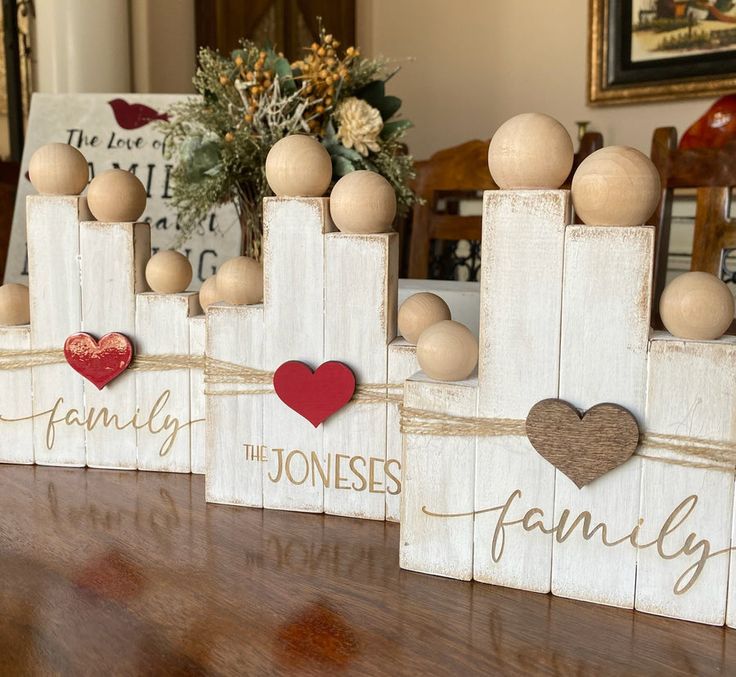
pixel 447 351
pixel 419 312
pixel 208 293
pixel 531 150
pixel 116 196
pixel 240 281
pixel 615 186
pixel 168 272
pixel 363 202
pixel 298 166
pixel 15 307
pixel 58 169
pixel 697 305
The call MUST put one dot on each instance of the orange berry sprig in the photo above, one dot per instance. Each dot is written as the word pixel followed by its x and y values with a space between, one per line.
pixel 322 72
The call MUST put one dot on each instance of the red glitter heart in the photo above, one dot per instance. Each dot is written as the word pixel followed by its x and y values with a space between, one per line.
pixel 98 361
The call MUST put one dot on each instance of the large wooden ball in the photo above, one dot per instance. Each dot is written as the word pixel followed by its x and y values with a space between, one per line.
pixel 116 196
pixel 696 305
pixel 14 305
pixel 58 169
pixel 298 166
pixel 615 186
pixel 447 351
pixel 168 272
pixel 208 293
pixel 363 202
pixel 419 312
pixel 531 150
pixel 240 281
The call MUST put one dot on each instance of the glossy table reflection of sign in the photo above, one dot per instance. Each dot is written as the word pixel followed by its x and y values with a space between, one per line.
pixel 120 130
pixel 132 573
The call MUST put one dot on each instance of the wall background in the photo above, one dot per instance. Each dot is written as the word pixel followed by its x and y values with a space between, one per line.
pixel 478 62
pixel 466 66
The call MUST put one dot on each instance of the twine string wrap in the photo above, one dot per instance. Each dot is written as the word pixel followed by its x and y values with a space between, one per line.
pixel 696 452
pixel 692 452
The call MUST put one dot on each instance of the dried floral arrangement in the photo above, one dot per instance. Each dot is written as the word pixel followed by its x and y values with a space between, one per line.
pixel 218 142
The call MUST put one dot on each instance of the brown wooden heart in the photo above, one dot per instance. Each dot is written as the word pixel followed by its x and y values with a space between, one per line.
pixel 582 448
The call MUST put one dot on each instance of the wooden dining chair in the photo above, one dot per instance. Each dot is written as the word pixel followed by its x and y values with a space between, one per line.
pixel 712 171
pixel 452 174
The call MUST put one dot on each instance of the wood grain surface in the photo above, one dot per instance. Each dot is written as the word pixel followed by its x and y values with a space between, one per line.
pixel 130 573
pixel 582 447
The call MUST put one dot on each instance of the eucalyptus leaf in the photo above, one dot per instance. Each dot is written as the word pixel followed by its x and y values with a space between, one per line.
pixel 389 106
pixel 341 166
pixel 282 68
pixel 373 93
pixel 349 153
pixel 395 128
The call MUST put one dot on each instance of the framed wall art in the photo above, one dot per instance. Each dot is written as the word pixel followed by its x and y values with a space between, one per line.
pixel 654 50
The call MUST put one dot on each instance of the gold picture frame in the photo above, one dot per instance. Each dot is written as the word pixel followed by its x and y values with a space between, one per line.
pixel 657 82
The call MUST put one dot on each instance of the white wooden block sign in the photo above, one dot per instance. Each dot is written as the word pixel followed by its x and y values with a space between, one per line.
pixel 520 311
pixel 197 341
pixel 690 394
pixel 162 327
pixel 16 404
pixel 234 433
pixel 120 130
pixel 113 261
pixel 437 494
pixel 360 322
pixel 293 313
pixel 603 358
pixel 56 313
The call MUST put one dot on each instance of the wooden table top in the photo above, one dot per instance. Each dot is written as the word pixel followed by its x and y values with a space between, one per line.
pixel 132 573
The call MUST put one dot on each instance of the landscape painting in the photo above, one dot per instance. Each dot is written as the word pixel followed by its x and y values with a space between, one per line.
pixel 649 50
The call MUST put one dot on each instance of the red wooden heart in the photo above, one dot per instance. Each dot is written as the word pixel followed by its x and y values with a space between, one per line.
pixel 98 361
pixel 314 395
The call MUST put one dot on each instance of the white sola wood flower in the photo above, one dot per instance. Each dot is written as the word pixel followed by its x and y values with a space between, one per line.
pixel 359 125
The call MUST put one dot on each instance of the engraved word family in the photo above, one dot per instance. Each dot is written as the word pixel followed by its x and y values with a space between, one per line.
pixel 566 449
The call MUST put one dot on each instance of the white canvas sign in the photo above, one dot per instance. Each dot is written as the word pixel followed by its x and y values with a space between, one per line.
pixel 120 130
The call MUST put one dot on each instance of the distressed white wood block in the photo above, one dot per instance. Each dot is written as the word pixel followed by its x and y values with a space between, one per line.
pixel 113 260
pixel 519 348
pixel 293 311
pixel 162 327
pixel 690 394
pixel 52 223
pixel 234 431
pixel 197 342
pixel 438 477
pixel 16 403
pixel 605 333
pixel 361 280
pixel 402 363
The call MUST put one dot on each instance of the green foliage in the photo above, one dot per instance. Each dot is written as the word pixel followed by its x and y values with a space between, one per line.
pixel 218 141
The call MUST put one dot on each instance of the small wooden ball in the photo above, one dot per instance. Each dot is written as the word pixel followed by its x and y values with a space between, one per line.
pixel 15 307
pixel 298 166
pixel 531 150
pixel 116 196
pixel 240 281
pixel 615 186
pixel 697 305
pixel 58 169
pixel 363 202
pixel 419 312
pixel 447 351
pixel 208 293
pixel 168 272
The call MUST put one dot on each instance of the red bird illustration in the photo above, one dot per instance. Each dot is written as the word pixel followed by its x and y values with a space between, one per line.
pixel 134 115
